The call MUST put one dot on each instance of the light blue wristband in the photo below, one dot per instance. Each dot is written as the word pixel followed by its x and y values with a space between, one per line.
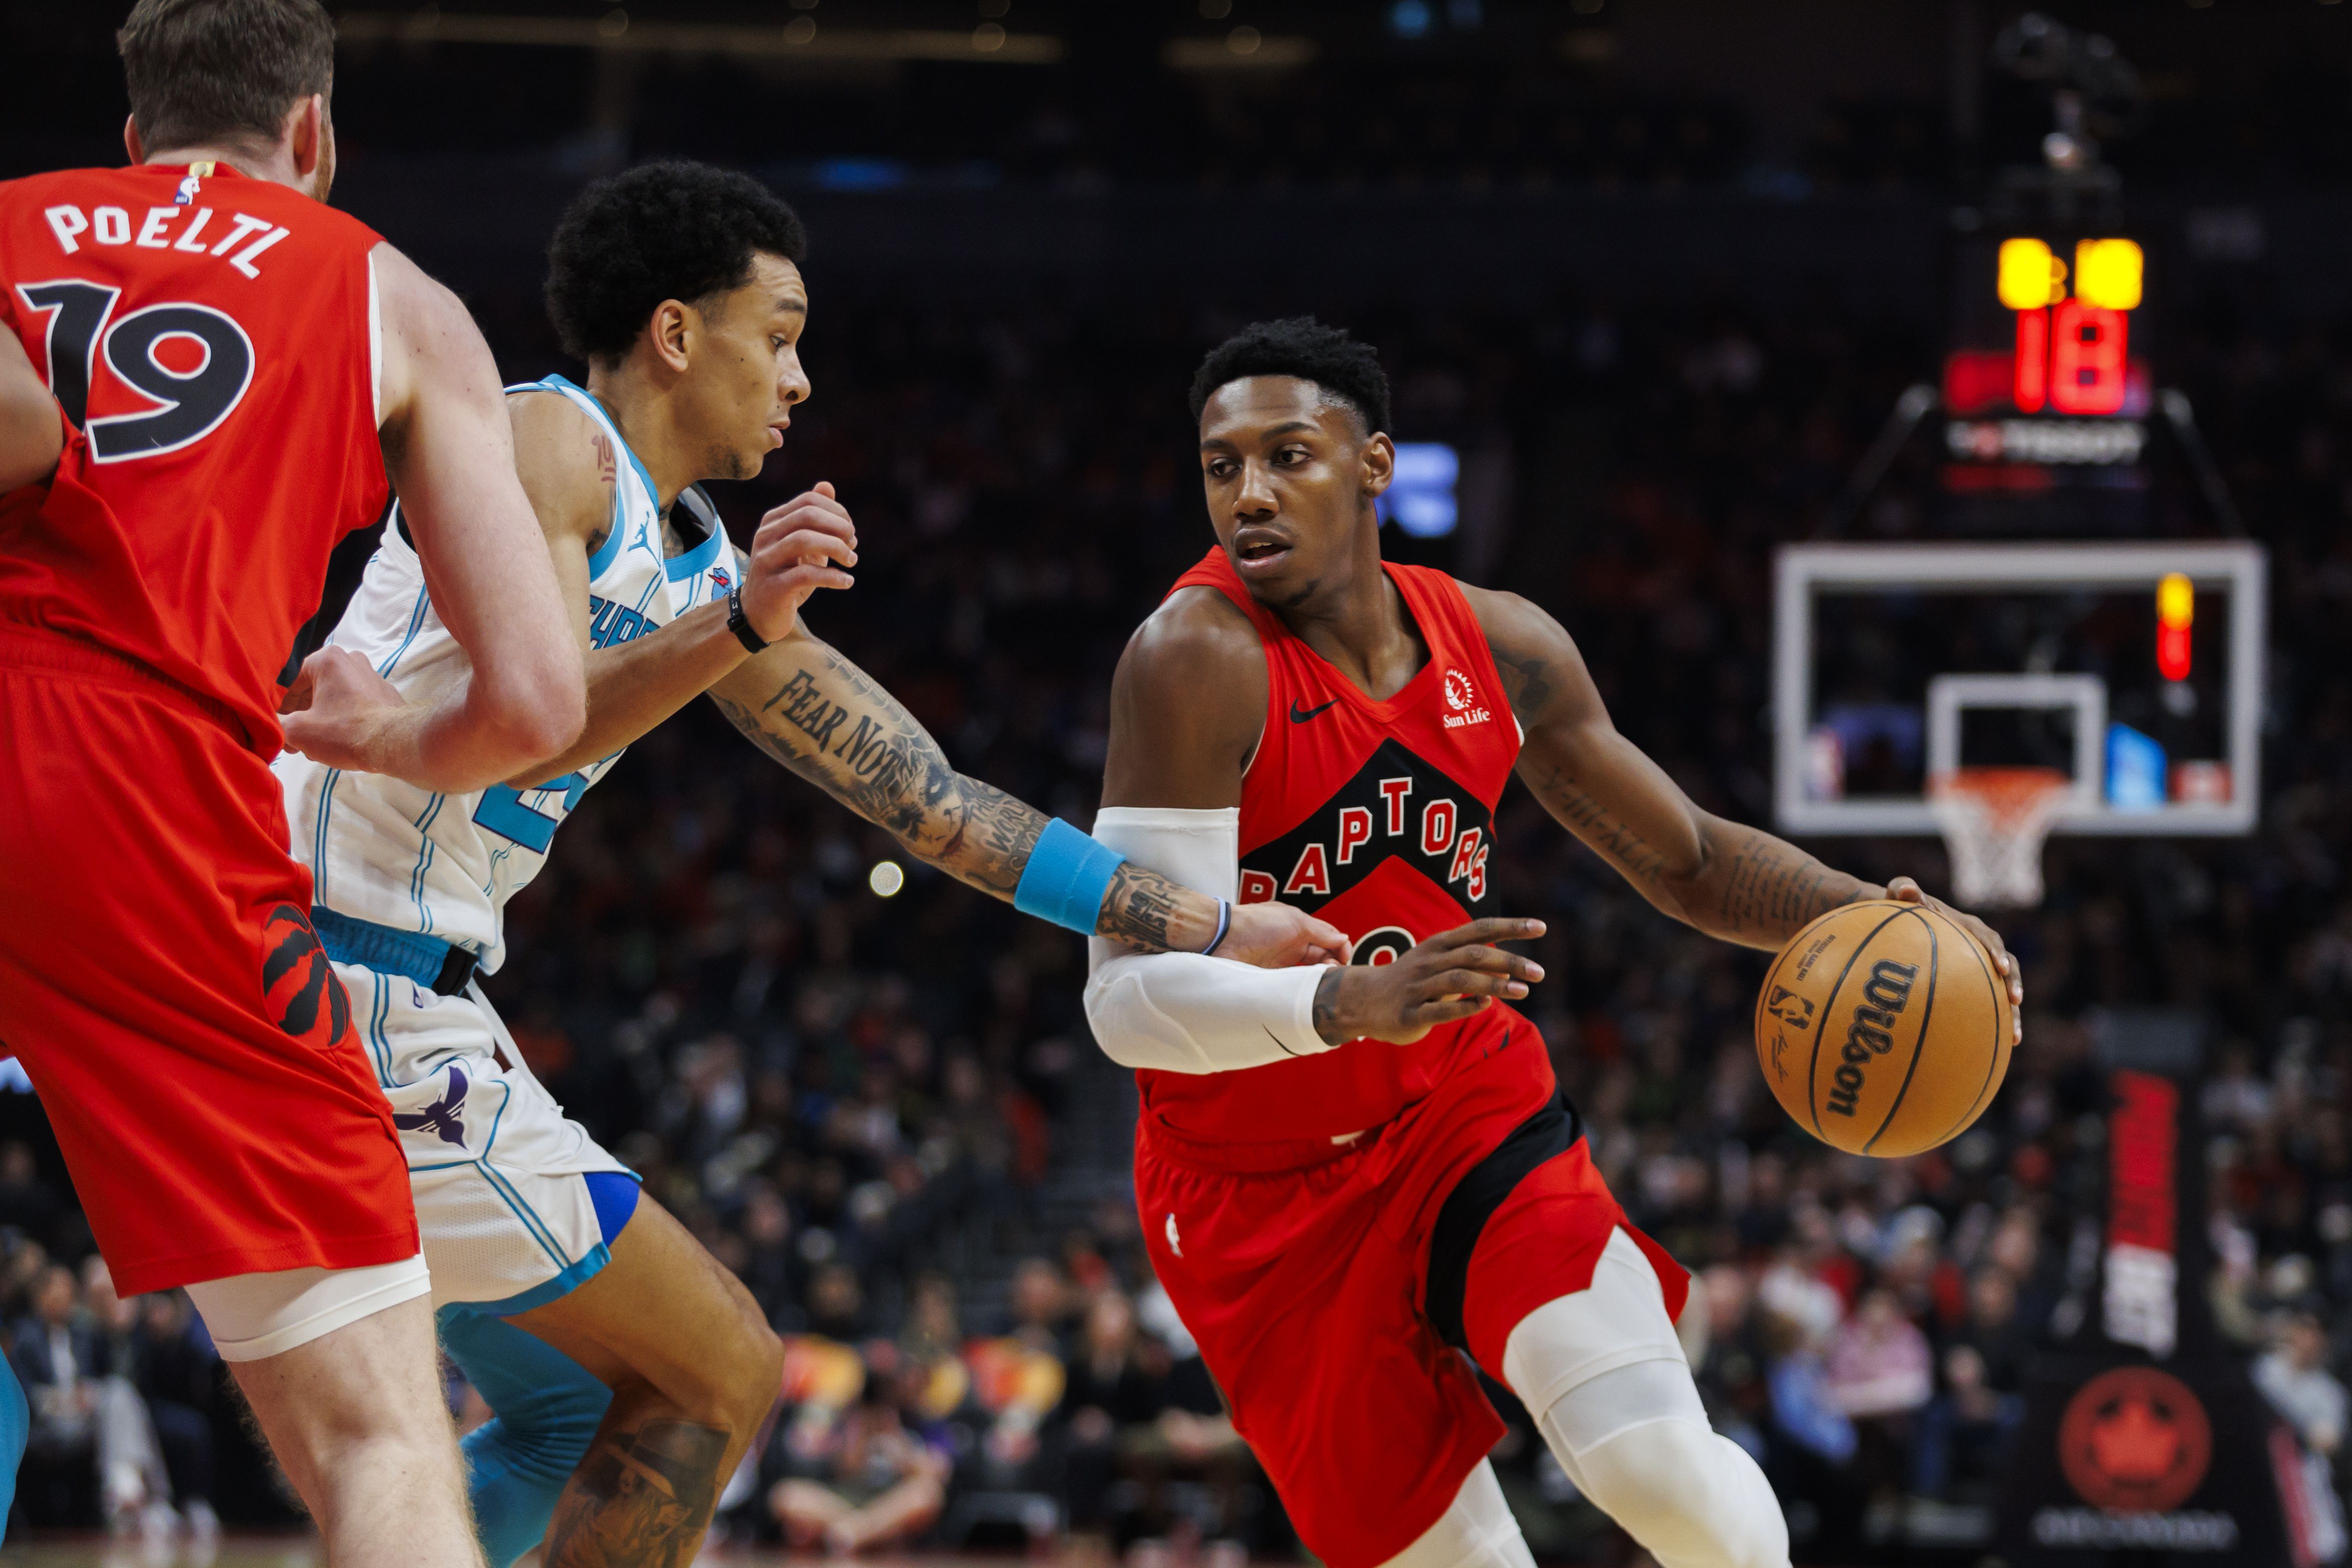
pixel 1067 875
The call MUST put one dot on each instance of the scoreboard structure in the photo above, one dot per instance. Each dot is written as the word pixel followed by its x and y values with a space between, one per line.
pixel 2047 392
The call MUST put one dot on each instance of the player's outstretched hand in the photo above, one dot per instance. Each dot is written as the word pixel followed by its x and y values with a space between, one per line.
pixel 1275 936
pixel 801 546
pixel 336 711
pixel 1902 890
pixel 1450 977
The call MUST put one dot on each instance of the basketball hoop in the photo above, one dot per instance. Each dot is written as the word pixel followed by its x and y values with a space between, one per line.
pixel 1994 821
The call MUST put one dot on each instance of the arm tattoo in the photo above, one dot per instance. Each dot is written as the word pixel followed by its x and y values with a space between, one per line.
pixel 841 731
pixel 1597 825
pixel 1326 1009
pixel 1770 888
pixel 845 735
pixel 1526 682
pixel 641 1498
pixel 1138 908
pixel 608 475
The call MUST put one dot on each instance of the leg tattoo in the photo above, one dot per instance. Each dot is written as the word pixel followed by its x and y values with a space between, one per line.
pixel 640 1500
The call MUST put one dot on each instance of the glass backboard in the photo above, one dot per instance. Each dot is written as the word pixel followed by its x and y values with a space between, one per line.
pixel 2135 669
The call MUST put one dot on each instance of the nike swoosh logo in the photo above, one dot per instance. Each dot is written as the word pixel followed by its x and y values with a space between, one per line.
pixel 1300 715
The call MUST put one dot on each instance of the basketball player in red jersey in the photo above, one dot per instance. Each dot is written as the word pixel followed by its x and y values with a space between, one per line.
pixel 201 358
pixel 1347 1174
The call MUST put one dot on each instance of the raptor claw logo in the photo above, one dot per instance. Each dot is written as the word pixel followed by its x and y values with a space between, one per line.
pixel 440 1118
pixel 298 983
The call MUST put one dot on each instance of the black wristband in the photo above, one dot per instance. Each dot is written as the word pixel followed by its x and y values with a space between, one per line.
pixel 740 624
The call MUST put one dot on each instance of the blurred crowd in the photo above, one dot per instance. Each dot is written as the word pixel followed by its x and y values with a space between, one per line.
pixel 887 1115
pixel 125 1395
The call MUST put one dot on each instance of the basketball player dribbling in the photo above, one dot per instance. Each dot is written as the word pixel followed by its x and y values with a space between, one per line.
pixel 1347 1174
pixel 628 1369
pixel 230 368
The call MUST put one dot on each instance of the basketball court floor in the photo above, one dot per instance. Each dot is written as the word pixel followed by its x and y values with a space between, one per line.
pixel 302 1551
pixel 299 1551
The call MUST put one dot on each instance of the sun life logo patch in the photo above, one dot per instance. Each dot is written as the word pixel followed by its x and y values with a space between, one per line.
pixel 1463 698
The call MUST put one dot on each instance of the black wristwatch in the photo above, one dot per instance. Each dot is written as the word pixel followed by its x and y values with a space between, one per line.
pixel 740 624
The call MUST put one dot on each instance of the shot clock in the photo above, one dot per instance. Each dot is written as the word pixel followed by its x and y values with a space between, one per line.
pixel 2072 345
pixel 2046 389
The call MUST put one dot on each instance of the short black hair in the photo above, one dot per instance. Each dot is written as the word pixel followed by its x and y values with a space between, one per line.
pixel 659 231
pixel 1304 347
pixel 213 70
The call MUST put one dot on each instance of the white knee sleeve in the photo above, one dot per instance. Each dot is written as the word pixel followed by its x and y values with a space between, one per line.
pixel 1692 1499
pixel 253 1316
pixel 1619 1411
pixel 1619 1320
pixel 1477 1532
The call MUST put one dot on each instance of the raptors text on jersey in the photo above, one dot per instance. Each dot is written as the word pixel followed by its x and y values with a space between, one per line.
pixel 1378 816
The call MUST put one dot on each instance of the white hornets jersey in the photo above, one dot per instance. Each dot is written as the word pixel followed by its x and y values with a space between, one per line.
pixel 444 866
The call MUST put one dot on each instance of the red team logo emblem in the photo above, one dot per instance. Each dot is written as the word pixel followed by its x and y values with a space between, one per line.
pixel 297 985
pixel 2134 1440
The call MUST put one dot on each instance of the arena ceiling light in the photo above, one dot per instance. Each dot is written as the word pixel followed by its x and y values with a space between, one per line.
pixel 1244 49
pixel 799 40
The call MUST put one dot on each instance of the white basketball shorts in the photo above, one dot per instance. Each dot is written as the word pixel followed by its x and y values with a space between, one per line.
pixel 495 1165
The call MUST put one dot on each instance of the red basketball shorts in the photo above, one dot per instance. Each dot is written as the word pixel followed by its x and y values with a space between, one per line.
pixel 160 982
pixel 1303 1271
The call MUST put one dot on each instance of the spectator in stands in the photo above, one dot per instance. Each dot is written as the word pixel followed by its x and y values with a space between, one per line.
pixel 2293 1376
pixel 874 1484
pixel 771 1270
pixel 1811 1443
pixel 1965 1428
pixel 178 1373
pixel 1117 1390
pixel 92 1452
pixel 836 1304
pixel 26 1203
pixel 1041 1305
pixel 1880 1372
pixel 933 1330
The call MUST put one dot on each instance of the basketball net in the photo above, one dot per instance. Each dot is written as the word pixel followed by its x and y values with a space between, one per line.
pixel 1994 821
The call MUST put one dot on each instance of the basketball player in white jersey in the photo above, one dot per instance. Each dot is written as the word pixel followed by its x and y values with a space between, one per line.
pixel 592 1323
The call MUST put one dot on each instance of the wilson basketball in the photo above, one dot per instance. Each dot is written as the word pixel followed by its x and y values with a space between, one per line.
pixel 1884 1028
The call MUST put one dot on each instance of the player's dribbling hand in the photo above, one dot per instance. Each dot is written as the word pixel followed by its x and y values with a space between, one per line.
pixel 1450 977
pixel 801 546
pixel 1275 936
pixel 336 710
pixel 1904 891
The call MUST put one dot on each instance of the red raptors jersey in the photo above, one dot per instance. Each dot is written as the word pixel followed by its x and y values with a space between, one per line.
pixel 1378 816
pixel 212 340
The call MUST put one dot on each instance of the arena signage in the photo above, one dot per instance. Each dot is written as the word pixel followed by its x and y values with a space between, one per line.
pixel 2143 1434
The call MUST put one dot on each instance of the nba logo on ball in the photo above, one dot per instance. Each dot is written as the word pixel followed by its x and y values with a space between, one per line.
pixel 1884 1028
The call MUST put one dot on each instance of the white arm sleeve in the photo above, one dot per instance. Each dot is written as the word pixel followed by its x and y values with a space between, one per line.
pixel 1182 1012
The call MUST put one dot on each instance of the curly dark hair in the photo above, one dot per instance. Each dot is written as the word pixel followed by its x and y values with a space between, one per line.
pixel 1302 346
pixel 659 231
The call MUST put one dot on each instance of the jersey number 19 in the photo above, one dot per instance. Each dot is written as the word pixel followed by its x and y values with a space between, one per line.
pixel 189 403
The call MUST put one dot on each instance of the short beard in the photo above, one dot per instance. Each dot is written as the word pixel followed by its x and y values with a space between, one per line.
pixel 724 462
